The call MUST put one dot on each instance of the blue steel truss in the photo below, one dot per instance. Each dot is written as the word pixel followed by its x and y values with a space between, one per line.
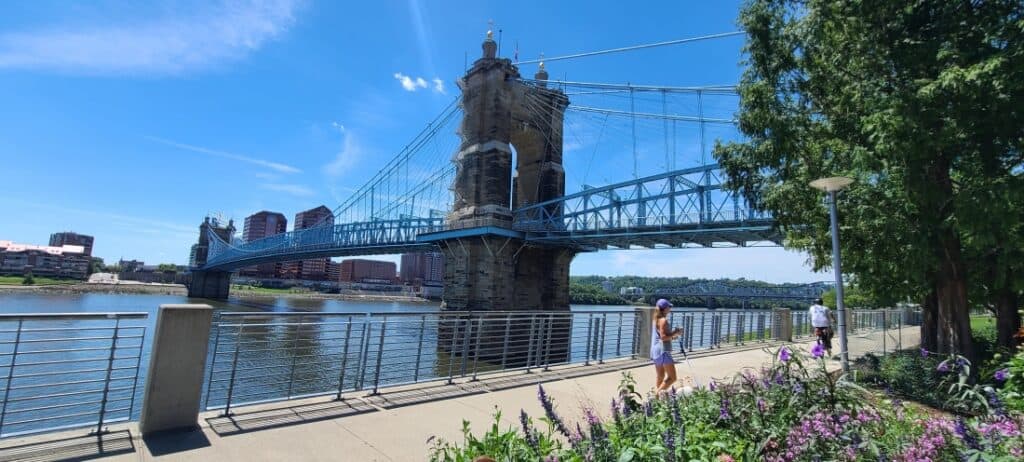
pixel 682 208
pixel 346 239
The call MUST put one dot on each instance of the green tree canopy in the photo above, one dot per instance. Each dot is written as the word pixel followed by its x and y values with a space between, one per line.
pixel 920 102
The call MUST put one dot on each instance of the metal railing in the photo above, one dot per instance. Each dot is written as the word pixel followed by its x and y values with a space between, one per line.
pixel 266 357
pixel 263 357
pixel 68 370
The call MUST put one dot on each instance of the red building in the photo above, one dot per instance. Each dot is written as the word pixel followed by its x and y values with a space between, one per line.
pixel 422 268
pixel 370 271
pixel 317 269
pixel 67 261
pixel 258 226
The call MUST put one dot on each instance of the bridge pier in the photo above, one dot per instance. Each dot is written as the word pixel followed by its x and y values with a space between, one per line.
pixel 210 284
pixel 488 265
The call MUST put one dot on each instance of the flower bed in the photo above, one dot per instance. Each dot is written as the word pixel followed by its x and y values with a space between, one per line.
pixel 791 410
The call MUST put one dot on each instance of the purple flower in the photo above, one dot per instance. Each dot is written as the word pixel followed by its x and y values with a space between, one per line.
pixel 712 385
pixel 924 353
pixel 670 445
pixel 549 411
pixel 531 437
pixel 818 350
pixel 723 412
pixel 943 366
pixel 1002 375
pixel 761 406
pixel 784 354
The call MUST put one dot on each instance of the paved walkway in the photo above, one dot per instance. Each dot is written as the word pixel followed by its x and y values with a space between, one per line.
pixel 397 424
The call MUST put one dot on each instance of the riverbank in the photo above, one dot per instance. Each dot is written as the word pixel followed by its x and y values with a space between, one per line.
pixel 364 297
pixel 89 288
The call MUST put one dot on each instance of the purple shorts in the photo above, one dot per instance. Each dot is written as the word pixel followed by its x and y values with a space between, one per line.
pixel 664 359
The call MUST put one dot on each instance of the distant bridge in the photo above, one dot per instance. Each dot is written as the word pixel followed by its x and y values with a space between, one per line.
pixel 718 289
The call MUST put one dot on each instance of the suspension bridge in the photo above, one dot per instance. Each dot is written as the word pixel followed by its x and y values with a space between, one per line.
pixel 485 183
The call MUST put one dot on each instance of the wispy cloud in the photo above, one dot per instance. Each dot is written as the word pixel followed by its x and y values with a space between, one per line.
pixel 172 44
pixel 293 189
pixel 278 167
pixel 410 83
pixel 347 156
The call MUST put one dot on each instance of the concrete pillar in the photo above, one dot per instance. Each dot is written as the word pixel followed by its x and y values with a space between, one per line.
pixel 645 319
pixel 214 285
pixel 177 363
pixel 782 325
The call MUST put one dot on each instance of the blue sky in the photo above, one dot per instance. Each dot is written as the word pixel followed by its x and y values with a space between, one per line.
pixel 131 122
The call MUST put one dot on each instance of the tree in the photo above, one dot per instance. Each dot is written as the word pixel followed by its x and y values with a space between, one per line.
pixel 902 97
pixel 167 268
pixel 28 280
pixel 95 265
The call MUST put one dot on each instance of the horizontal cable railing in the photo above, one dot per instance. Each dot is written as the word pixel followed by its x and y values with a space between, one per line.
pixel 265 357
pixel 61 371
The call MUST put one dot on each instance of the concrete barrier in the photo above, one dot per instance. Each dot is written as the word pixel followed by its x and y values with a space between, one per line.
pixel 782 324
pixel 177 364
pixel 645 318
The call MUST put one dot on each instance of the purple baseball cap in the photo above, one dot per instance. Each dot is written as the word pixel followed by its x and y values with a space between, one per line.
pixel 662 304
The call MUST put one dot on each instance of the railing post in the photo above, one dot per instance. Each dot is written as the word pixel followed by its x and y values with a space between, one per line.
pixel 529 344
pixel 174 384
pixel 703 325
pixel 476 347
pixel 106 381
pixel 295 343
pixel 590 340
pixel 364 351
pixel 604 327
pixel 618 339
pixel 419 348
pixel 234 367
pixel 504 347
pixel 465 345
pixel 213 364
pixel 344 358
pixel 10 374
pixel 380 354
pixel 547 345
pixel 451 349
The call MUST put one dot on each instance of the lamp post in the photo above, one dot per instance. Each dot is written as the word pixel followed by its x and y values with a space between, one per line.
pixel 832 185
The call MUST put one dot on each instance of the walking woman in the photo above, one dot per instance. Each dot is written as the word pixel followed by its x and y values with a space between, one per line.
pixel 661 346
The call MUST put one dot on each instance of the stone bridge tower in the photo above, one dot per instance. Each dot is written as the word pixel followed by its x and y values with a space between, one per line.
pixel 488 267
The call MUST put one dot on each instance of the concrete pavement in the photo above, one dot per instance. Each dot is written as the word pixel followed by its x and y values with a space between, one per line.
pixel 397 424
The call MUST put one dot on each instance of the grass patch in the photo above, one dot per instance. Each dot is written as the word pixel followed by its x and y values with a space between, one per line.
pixel 37 281
pixel 266 290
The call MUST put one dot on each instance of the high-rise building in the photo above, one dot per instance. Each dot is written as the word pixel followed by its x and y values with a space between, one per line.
pixel 422 268
pixel 258 226
pixel 371 271
pixel 72 238
pixel 314 269
pixel 68 261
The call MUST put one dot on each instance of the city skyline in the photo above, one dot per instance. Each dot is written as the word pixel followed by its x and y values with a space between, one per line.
pixel 293 112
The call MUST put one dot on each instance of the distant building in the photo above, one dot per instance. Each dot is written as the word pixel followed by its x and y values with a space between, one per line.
pixel 314 269
pixel 130 266
pixel 258 226
pixel 67 261
pixel 608 286
pixel 422 268
pixel 333 271
pixel 72 238
pixel 631 291
pixel 370 271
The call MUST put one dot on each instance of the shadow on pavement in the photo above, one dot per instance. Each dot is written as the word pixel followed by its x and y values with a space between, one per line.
pixel 86 447
pixel 248 421
pixel 171 442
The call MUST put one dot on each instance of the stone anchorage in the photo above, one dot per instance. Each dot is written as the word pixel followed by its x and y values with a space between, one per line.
pixel 489 271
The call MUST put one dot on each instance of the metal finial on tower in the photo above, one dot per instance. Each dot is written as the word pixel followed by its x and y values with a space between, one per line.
pixel 542 74
pixel 489 46
pixel 490 29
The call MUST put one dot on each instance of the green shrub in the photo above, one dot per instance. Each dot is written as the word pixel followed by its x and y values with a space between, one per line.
pixel 29 280
pixel 792 410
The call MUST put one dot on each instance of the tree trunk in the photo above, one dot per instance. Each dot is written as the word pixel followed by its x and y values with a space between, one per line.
pixel 951 290
pixel 1007 319
pixel 930 322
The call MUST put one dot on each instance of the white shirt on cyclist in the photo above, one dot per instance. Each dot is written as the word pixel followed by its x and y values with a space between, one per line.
pixel 819 316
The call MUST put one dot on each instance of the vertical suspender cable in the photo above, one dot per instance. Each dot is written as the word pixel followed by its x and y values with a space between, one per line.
pixel 632 110
pixel 664 120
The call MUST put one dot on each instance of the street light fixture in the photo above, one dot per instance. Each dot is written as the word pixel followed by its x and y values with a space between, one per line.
pixel 832 185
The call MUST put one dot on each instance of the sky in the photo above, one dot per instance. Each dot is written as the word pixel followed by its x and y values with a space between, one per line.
pixel 131 122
